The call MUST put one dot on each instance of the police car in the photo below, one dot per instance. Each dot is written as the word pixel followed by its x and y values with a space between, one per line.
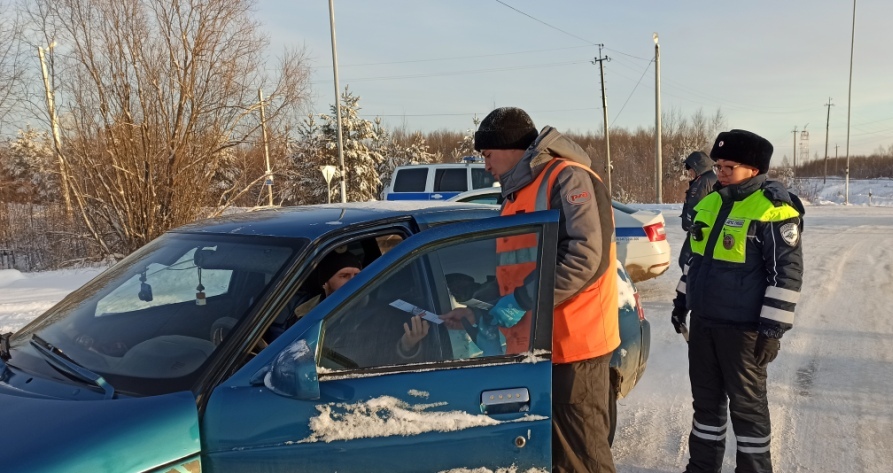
pixel 438 181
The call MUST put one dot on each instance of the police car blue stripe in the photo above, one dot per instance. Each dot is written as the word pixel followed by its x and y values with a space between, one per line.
pixel 420 195
pixel 629 232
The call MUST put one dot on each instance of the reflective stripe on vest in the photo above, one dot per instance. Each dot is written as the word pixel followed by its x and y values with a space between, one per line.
pixel 579 330
pixel 731 246
pixel 525 248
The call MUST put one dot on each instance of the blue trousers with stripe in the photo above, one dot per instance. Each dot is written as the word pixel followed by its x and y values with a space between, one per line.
pixel 727 382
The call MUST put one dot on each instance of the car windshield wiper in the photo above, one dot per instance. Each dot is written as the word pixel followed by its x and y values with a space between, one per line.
pixel 63 362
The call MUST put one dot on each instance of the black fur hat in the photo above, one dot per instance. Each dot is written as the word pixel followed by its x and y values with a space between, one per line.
pixel 505 128
pixel 743 147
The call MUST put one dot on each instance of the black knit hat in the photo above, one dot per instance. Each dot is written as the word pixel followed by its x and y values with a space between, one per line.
pixel 743 147
pixel 505 128
pixel 336 261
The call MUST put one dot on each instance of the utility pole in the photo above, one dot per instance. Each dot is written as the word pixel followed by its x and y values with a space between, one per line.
pixel 268 179
pixel 338 105
pixel 600 60
pixel 54 124
pixel 795 148
pixel 848 109
pixel 827 126
pixel 835 157
pixel 658 171
pixel 804 145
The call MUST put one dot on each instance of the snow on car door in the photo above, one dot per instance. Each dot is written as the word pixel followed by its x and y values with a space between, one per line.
pixel 443 403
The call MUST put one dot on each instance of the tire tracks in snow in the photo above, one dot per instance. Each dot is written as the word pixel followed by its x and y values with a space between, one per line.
pixel 828 388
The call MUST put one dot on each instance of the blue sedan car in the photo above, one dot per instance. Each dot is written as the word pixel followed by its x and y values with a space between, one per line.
pixel 198 352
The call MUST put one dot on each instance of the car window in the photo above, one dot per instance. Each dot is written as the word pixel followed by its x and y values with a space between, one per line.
pixel 388 242
pixel 149 324
pixel 451 180
pixel 480 178
pixel 411 180
pixel 310 293
pixel 366 332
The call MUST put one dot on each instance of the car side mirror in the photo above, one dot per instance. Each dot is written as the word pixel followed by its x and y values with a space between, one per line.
pixel 293 371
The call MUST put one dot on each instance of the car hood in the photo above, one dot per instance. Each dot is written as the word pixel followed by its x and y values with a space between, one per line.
pixel 120 435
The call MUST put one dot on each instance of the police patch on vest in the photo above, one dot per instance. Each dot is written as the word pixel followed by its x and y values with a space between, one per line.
pixel 734 223
pixel 728 241
pixel 790 233
pixel 578 197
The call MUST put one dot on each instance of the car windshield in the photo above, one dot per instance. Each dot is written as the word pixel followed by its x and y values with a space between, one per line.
pixel 149 323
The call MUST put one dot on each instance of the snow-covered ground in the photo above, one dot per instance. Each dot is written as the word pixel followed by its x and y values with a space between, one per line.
pixel 829 389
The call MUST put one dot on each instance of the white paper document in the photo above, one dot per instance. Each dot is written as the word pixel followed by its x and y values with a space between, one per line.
pixel 478 304
pixel 415 310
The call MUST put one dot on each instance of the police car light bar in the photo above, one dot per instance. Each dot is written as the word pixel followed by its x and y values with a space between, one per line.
pixel 472 159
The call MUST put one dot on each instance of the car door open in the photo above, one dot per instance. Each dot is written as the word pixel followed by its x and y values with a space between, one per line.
pixel 449 401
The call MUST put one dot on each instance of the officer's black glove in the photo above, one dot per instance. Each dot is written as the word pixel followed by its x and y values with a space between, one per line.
pixel 678 318
pixel 766 349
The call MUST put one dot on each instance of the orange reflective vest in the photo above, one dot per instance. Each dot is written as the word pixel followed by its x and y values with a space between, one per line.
pixel 584 326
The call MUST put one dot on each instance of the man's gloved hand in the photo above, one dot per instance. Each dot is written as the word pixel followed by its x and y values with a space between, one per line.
pixel 766 349
pixel 678 318
pixel 507 312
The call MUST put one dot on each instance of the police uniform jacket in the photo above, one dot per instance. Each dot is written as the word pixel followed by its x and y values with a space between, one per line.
pixel 746 265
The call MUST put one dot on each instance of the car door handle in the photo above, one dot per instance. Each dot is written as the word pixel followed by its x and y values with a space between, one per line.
pixel 437 197
pixel 500 401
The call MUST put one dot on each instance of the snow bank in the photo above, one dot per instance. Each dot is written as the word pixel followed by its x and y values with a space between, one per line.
pixel 7 276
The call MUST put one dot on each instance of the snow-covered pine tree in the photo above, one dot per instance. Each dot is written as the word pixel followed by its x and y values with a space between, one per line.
pixel 360 159
pixel 466 146
pixel 304 181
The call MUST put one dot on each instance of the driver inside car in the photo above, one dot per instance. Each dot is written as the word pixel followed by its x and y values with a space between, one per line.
pixel 374 335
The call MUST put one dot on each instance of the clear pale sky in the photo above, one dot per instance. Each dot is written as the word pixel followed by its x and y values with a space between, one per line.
pixel 768 66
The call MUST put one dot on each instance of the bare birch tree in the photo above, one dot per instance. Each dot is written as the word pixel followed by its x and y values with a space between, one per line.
pixel 11 60
pixel 157 93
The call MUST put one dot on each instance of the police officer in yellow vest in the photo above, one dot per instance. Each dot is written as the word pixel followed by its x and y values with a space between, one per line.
pixel 741 284
pixel 541 171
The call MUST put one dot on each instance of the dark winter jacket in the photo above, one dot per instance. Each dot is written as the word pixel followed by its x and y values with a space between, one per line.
pixel 746 264
pixel 699 187
pixel 584 236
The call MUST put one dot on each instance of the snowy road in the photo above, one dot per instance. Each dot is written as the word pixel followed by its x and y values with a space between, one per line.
pixel 829 389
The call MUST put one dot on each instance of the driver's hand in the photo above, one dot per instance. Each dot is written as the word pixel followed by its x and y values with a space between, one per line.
pixel 453 318
pixel 413 332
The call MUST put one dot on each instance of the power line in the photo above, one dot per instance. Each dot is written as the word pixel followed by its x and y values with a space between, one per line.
pixel 591 43
pixel 543 22
pixel 586 109
pixel 473 71
pixel 453 58
pixel 633 91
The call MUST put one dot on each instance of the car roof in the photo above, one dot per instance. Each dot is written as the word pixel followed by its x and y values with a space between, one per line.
pixel 441 165
pixel 312 221
pixel 624 215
